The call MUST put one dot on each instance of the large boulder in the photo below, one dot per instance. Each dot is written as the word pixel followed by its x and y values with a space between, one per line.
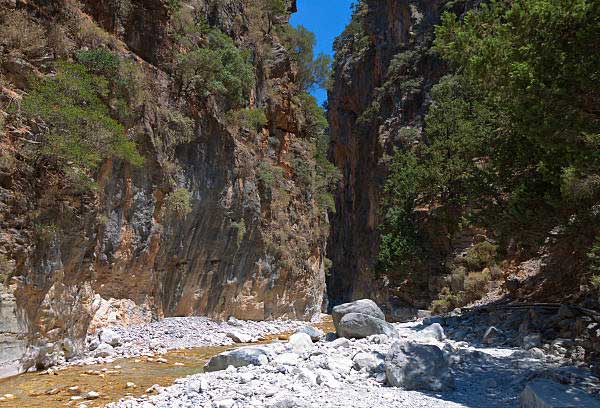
pixel 363 306
pixel 549 394
pixel 359 326
pixel 414 366
pixel 238 358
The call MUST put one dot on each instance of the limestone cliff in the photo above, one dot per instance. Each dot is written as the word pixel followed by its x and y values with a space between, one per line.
pixel 369 110
pixel 250 245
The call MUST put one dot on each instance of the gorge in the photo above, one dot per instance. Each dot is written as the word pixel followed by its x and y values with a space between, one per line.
pixel 165 159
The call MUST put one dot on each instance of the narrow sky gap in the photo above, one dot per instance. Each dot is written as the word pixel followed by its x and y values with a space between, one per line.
pixel 327 19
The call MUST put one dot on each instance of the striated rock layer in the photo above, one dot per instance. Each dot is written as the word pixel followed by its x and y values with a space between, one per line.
pixel 71 260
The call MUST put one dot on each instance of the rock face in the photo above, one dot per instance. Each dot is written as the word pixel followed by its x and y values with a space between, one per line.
pixel 363 141
pixel 417 367
pixel 244 250
pixel 237 358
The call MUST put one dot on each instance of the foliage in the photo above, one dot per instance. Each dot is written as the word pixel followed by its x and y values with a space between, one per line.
pixel 532 60
pixel 274 10
pixel 354 35
pixel 99 61
pixel 217 67
pixel 178 203
pixel 80 129
pixel 18 32
pixel 249 118
pixel 269 175
pixel 510 141
pixel 311 71
pixel 320 178
pixel 480 255
pixel 593 256
pixel 240 227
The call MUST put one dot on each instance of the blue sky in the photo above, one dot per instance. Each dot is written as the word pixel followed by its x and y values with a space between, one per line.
pixel 327 19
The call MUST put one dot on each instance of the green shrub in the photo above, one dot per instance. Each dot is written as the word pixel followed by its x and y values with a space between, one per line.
pixel 480 255
pixel 311 71
pixel 7 160
pixel 249 118
pixel 178 203
pixel 219 68
pixel 81 131
pixel 240 227
pixel 100 61
pixel 476 284
pixel 595 281
pixel 269 175
pixel 447 301
pixel 4 269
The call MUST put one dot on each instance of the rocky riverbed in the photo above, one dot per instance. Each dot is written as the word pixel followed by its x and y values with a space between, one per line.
pixel 414 365
pixel 158 337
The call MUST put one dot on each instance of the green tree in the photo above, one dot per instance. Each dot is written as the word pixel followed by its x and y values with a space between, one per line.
pixel 219 68
pixel 311 71
pixel 80 129
pixel 511 140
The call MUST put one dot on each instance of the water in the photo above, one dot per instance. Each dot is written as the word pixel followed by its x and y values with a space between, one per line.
pixel 110 380
pixel 40 390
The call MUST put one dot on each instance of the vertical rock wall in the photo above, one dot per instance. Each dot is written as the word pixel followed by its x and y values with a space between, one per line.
pixel 114 256
pixel 363 142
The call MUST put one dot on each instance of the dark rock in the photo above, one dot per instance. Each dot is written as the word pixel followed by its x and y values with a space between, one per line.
pixel 362 306
pixel 358 326
pixel 415 366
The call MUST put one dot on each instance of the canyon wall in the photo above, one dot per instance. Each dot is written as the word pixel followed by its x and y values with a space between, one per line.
pixel 369 110
pixel 251 245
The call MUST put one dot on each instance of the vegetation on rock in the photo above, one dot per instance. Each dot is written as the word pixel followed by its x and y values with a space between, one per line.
pixel 510 141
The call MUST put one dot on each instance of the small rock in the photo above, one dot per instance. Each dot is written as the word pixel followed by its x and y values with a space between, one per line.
pixel 227 403
pixel 130 385
pixel 74 390
pixel 492 335
pixel 237 358
pixel 314 333
pixel 435 331
pixel 91 395
pixel 373 362
pixel 300 343
pixel 339 364
pixel 238 337
pixel 104 350
pixel 109 336
pixel 532 340
pixel 342 342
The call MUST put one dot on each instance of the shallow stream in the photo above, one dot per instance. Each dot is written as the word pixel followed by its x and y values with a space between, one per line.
pixel 42 390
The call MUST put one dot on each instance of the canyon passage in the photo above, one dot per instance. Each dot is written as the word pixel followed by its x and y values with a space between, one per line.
pixel 282 203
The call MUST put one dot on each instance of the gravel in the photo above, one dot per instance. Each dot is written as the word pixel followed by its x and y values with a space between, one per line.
pixel 175 333
pixel 326 376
